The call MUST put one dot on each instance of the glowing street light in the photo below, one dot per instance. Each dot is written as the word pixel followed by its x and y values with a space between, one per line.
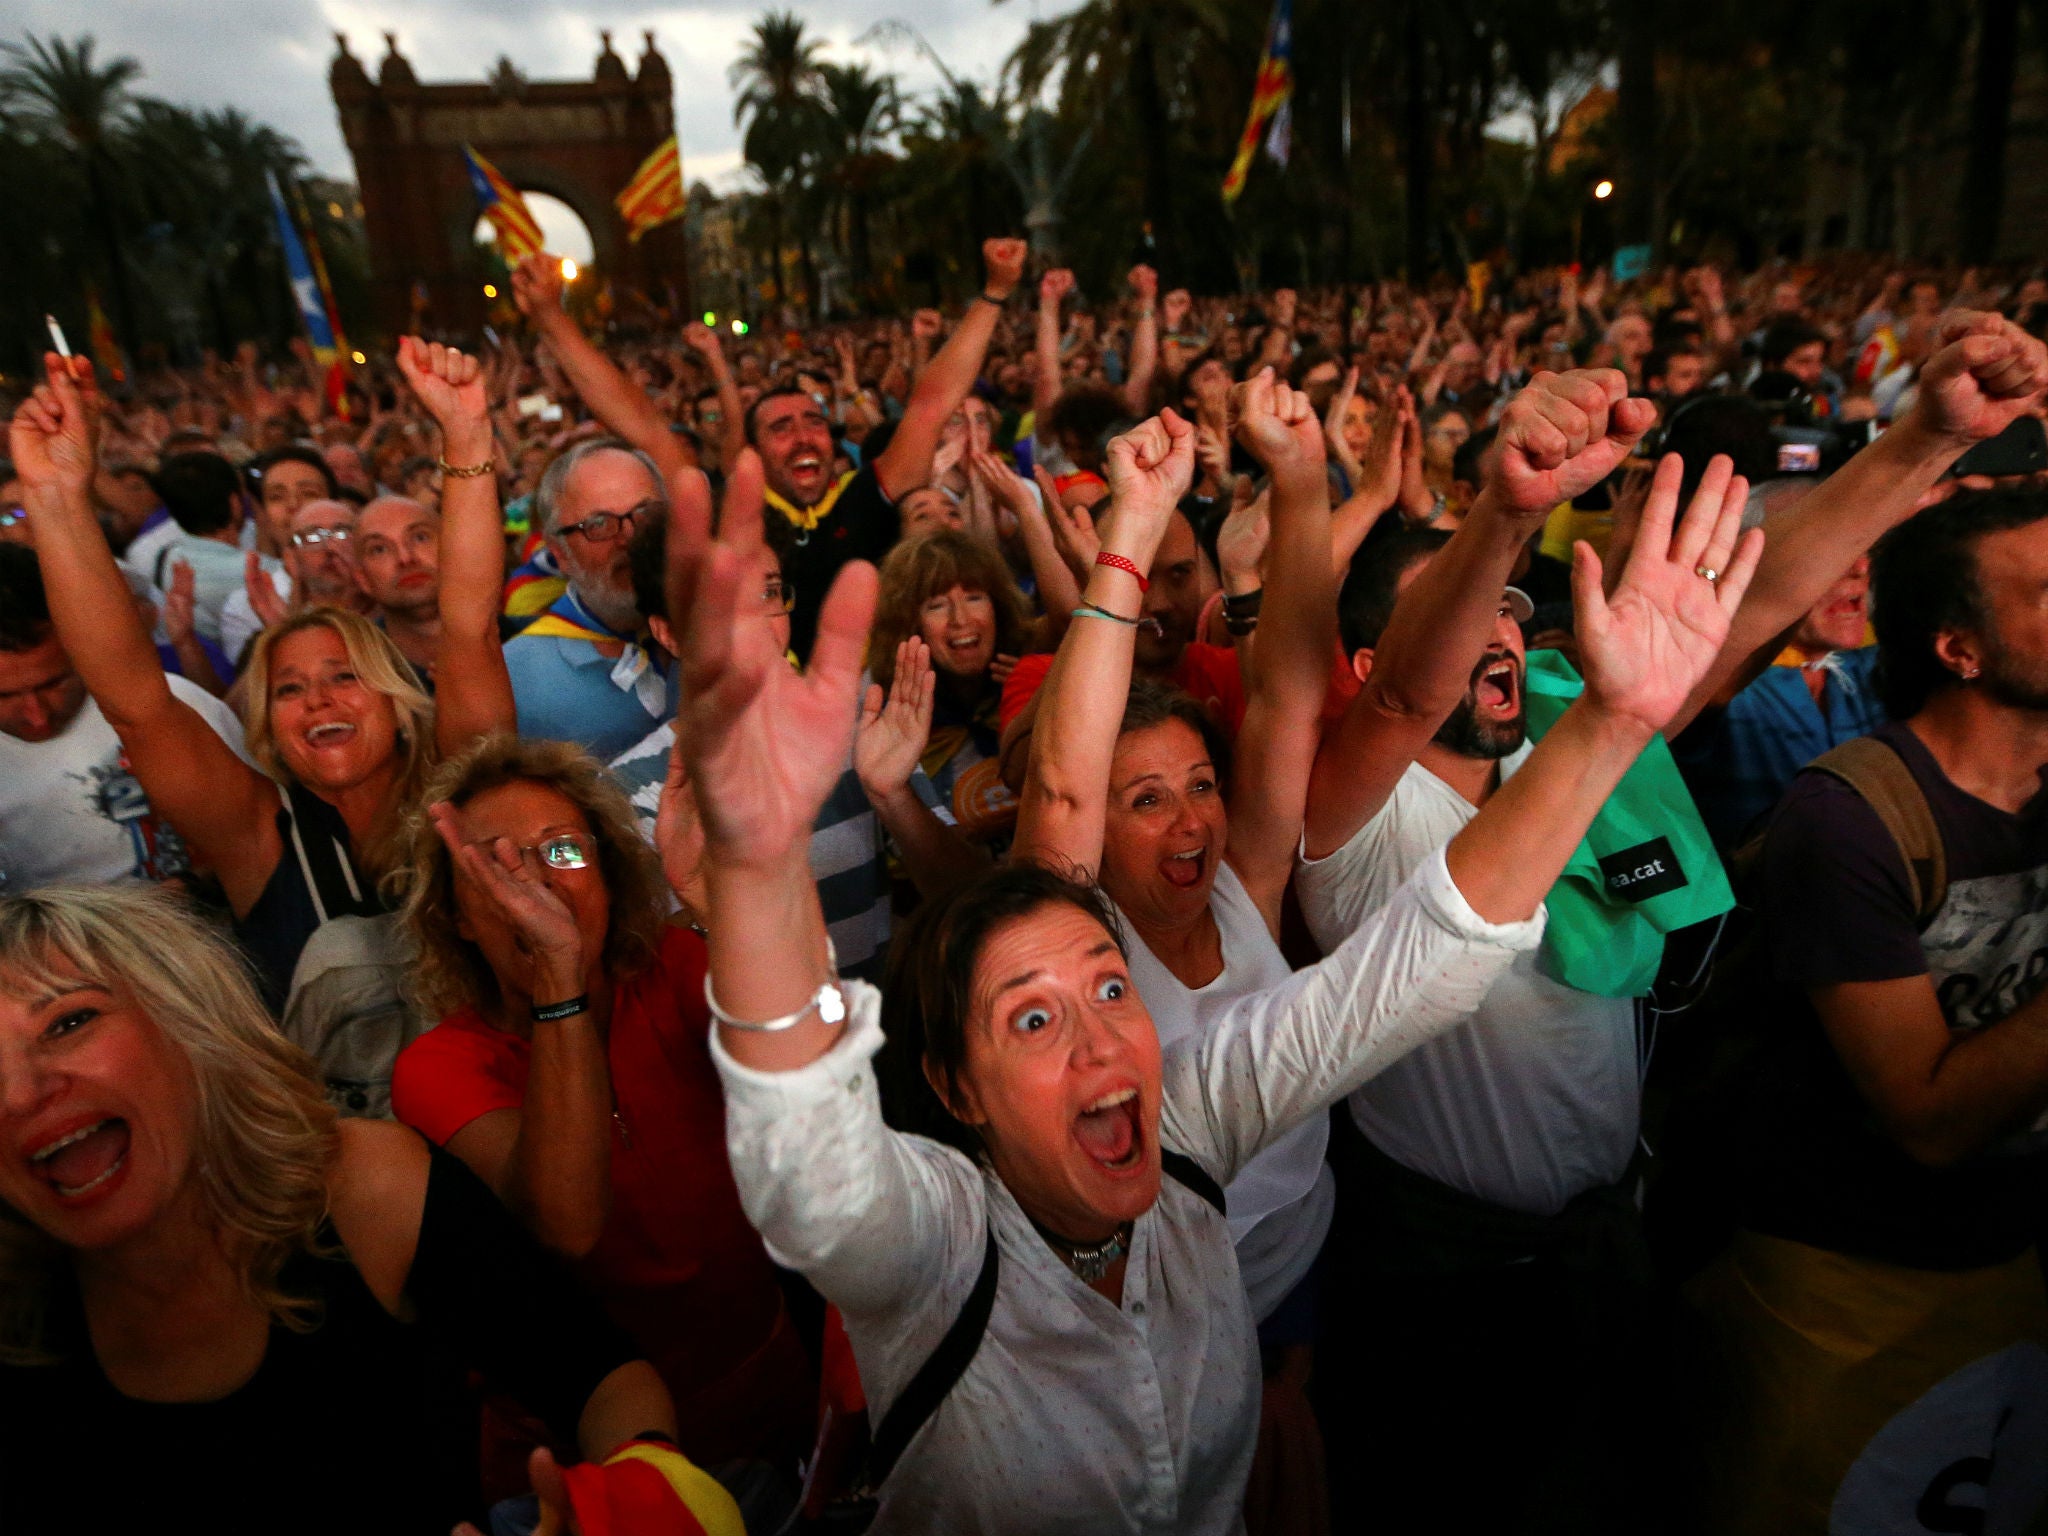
pixel 1603 189
pixel 569 269
pixel 360 359
pixel 710 317
pixel 490 290
pixel 739 327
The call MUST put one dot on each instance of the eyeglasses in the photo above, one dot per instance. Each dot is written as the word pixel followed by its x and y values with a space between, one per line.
pixel 571 850
pixel 778 597
pixel 313 538
pixel 603 527
pixel 9 516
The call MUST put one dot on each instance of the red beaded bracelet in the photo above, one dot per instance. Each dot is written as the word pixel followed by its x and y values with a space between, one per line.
pixel 1119 563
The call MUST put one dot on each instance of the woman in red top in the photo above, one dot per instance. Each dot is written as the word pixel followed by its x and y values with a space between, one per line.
pixel 570 1071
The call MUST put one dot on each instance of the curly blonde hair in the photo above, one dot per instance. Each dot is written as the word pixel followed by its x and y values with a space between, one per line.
pixel 451 972
pixel 267 1137
pixel 383 670
pixel 920 568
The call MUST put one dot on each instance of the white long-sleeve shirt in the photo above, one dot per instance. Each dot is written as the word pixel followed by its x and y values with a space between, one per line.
pixel 1079 1417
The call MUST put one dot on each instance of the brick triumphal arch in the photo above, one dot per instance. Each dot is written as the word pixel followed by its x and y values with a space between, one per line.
pixel 577 140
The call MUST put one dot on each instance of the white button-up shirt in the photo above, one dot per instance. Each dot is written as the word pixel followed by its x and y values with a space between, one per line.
pixel 1078 1415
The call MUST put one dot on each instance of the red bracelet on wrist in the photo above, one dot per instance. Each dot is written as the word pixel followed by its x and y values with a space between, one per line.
pixel 1119 563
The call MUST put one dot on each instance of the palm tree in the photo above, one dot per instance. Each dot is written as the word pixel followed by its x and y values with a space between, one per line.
pixel 777 88
pixel 56 90
pixel 860 111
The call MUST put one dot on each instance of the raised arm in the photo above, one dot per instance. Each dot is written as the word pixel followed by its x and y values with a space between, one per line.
pixel 1562 435
pixel 1644 649
pixel 906 463
pixel 892 735
pixel 473 691
pixel 1058 591
pixel 613 398
pixel 220 805
pixel 733 434
pixel 1297 628
pixel 1081 702
pixel 1987 373
pixel 1144 359
pixel 1045 388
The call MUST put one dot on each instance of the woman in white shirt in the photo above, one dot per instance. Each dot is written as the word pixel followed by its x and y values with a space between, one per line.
pixel 1115 1386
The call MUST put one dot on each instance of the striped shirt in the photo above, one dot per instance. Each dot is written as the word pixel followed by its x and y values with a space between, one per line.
pixel 848 857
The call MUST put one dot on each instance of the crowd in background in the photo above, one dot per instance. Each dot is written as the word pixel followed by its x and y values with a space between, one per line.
pixel 1375 907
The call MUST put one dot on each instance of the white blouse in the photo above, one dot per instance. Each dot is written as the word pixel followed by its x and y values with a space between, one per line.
pixel 1077 1415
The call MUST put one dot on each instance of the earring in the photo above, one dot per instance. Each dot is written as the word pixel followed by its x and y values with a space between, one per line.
pixel 1971 674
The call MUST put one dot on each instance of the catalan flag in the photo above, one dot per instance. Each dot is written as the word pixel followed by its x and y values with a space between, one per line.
pixel 655 194
pixel 312 294
pixel 499 201
pixel 1272 100
pixel 99 335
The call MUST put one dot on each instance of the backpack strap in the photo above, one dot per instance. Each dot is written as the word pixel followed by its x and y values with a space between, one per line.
pixel 944 1366
pixel 1882 778
pixel 1183 1169
pixel 940 1371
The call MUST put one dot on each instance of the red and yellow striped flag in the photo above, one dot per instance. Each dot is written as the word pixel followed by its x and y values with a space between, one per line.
pixel 655 194
pixel 499 201
pixel 1272 97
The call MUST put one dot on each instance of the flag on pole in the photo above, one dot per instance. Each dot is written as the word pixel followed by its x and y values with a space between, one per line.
pixel 336 386
pixel 99 337
pixel 655 194
pixel 1272 101
pixel 499 201
pixel 310 295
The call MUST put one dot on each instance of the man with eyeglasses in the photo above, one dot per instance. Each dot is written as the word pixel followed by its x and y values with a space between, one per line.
pixel 581 672
pixel 853 516
pixel 319 567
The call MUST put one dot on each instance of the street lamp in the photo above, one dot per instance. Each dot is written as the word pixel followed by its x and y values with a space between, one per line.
pixel 1603 189
pixel 569 269
pixel 490 290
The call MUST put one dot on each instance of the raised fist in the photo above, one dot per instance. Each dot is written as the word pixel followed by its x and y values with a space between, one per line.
pixel 1563 435
pixel 537 286
pixel 1055 286
pixel 1987 373
pixel 1004 264
pixel 699 337
pixel 1144 283
pixel 926 324
pixel 1277 425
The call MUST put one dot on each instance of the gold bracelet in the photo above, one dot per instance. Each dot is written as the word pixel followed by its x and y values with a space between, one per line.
pixel 468 471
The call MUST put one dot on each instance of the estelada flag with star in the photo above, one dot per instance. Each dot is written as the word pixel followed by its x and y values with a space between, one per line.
pixel 655 194
pixel 499 201
pixel 1272 98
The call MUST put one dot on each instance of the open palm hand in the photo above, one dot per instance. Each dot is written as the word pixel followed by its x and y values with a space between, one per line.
pixel 763 742
pixel 1646 648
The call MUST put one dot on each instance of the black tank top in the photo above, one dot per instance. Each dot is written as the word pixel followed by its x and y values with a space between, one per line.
pixel 363 1424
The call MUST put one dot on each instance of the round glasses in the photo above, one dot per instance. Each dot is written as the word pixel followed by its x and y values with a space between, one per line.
pixel 603 527
pixel 313 538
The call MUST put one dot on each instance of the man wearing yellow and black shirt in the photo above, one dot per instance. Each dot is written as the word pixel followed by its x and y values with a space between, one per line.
pixel 854 517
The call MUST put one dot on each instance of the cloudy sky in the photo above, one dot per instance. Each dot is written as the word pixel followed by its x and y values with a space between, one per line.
pixel 270 57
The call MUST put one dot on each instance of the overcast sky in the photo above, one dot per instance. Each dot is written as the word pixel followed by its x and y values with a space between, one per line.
pixel 270 57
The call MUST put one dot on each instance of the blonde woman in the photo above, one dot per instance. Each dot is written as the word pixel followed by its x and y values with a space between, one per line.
pixel 218 1303
pixel 571 1070
pixel 333 712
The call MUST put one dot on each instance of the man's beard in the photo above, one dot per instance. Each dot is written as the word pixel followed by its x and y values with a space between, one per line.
pixel 1467 734
pixel 611 605
pixel 2017 682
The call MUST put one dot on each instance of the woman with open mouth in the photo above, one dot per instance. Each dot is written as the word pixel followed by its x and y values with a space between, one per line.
pixel 1052 1335
pixel 218 1301
pixel 333 712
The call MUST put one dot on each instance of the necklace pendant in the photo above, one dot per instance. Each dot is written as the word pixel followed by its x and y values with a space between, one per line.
pixel 1091 1267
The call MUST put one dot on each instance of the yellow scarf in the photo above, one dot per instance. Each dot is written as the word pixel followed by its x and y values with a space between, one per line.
pixel 808 518
pixel 566 629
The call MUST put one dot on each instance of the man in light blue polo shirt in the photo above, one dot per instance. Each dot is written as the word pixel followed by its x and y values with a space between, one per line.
pixel 582 672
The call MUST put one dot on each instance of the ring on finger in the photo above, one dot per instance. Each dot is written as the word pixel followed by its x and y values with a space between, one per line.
pixel 1707 572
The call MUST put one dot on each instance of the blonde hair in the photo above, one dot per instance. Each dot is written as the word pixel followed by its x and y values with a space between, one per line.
pixel 267 1138
pixel 451 972
pixel 383 670
pixel 923 566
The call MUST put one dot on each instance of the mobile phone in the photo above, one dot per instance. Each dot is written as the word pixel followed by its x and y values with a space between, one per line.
pixel 534 405
pixel 2021 449
pixel 1798 458
pixel 57 336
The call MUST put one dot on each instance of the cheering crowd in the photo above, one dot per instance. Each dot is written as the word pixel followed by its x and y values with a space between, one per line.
pixel 1381 909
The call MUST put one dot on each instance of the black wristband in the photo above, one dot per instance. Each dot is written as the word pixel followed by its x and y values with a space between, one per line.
pixel 567 1009
pixel 989 298
pixel 1243 605
pixel 1240 626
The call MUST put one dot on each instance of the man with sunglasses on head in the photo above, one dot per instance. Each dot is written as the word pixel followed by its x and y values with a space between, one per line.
pixel 580 672
pixel 853 516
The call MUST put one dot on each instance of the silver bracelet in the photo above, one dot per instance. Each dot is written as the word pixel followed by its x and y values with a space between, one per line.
pixel 829 1002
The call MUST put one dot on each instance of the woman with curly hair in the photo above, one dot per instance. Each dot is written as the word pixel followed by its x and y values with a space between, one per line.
pixel 217 1297
pixel 953 592
pixel 570 1070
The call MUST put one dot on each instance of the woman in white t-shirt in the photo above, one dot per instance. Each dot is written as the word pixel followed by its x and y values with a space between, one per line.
pixel 1134 785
